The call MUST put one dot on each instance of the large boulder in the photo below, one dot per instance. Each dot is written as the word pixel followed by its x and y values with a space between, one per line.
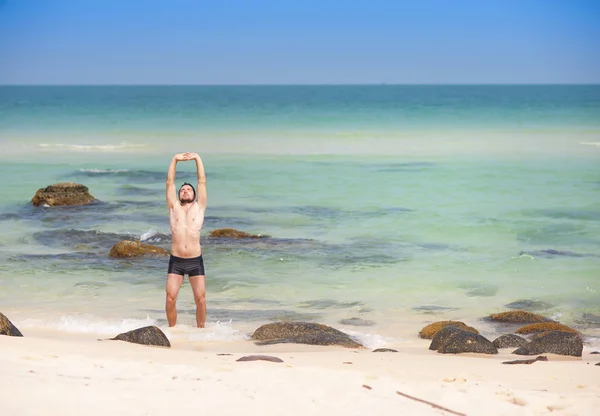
pixel 554 342
pixel 302 333
pixel 127 248
pixel 518 317
pixel 64 193
pixel 463 341
pixel 148 335
pixel 509 341
pixel 442 336
pixel 233 233
pixel 429 331
pixel 7 327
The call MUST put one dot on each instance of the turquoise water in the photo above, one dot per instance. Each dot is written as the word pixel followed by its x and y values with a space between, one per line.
pixel 397 205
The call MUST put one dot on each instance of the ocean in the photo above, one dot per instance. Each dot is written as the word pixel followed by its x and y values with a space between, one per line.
pixel 387 206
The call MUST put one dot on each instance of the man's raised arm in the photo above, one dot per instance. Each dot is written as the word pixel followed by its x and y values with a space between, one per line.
pixel 171 190
pixel 202 197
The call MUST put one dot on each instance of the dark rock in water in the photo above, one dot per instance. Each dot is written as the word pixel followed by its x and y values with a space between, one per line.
pixel 429 331
pixel 517 317
pixel 544 327
pixel 555 342
pixel 7 327
pixel 357 322
pixel 590 319
pixel 442 336
pixel 538 358
pixel 233 233
pixel 463 341
pixel 65 193
pixel 260 358
pixel 126 249
pixel 385 350
pixel 148 335
pixel 551 253
pixel 302 333
pixel 509 341
pixel 529 305
pixel 431 309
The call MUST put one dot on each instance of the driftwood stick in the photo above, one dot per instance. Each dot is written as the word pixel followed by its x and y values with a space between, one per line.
pixel 437 406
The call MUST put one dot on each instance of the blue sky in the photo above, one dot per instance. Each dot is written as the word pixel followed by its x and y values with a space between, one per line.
pixel 299 42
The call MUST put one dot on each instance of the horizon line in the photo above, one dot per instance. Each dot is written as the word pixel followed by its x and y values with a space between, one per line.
pixel 303 84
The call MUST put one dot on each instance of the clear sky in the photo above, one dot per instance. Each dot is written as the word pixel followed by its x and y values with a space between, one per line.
pixel 299 41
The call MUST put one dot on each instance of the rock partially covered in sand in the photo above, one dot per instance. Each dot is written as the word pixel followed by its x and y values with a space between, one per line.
pixel 302 333
pixel 544 327
pixel 429 331
pixel 462 341
pixel 518 317
pixel 7 327
pixel 555 342
pixel 126 248
pixel 442 336
pixel 148 335
pixel 64 193
pixel 509 341
pixel 233 233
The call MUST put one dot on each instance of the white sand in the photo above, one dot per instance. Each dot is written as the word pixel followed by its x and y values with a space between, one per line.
pixel 61 374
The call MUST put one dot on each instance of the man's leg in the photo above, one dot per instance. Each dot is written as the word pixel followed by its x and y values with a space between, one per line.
pixel 199 288
pixel 174 282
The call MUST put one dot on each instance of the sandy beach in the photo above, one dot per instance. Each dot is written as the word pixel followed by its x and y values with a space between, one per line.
pixel 72 374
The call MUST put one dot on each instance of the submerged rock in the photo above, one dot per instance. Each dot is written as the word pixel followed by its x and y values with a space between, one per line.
pixel 529 305
pixel 302 333
pixel 148 335
pixel 518 317
pixel 509 341
pixel 127 248
pixel 429 331
pixel 357 322
pixel 7 327
pixel 555 342
pixel 64 193
pixel 544 327
pixel 462 341
pixel 233 233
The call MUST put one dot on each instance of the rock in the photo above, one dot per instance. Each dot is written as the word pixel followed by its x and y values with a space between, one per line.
pixel 126 248
pixel 260 358
pixel 597 363
pixel 148 335
pixel 463 341
pixel 385 350
pixel 357 322
pixel 518 317
pixel 233 233
pixel 538 358
pixel 64 193
pixel 302 333
pixel 429 331
pixel 509 341
pixel 7 327
pixel 544 327
pixel 555 342
pixel 529 305
pixel 442 336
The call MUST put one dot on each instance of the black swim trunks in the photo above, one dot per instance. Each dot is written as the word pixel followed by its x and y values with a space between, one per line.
pixel 191 267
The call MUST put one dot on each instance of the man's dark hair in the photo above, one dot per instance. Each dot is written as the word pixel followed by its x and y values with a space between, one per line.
pixel 192 186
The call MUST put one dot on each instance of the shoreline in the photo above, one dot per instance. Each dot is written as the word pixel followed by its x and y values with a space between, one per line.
pixel 61 373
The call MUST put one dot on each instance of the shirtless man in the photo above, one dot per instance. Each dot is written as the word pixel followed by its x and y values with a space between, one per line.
pixel 186 215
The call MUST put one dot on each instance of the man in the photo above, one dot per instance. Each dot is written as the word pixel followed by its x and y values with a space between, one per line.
pixel 186 215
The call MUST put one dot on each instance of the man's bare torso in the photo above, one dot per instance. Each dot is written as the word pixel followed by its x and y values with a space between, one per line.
pixel 186 223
